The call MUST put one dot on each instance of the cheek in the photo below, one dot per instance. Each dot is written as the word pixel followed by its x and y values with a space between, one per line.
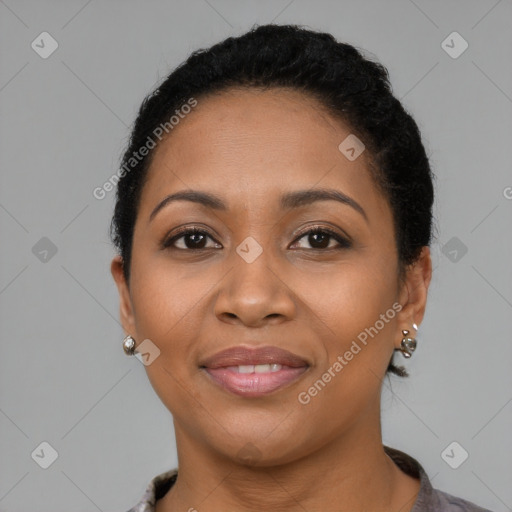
pixel 170 307
pixel 173 308
pixel 348 299
pixel 352 314
pixel 165 293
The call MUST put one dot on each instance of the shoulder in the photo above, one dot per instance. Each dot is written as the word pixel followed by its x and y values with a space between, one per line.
pixel 449 503
pixel 430 499
pixel 155 490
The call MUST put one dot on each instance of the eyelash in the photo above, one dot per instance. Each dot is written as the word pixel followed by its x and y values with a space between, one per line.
pixel 344 243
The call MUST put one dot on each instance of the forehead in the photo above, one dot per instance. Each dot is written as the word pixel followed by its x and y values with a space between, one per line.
pixel 248 145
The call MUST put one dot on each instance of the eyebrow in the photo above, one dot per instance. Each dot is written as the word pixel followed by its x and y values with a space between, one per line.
pixel 290 200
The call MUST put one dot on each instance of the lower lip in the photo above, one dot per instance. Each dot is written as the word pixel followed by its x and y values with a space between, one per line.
pixel 254 384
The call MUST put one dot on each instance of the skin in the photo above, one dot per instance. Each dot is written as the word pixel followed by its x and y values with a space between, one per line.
pixel 249 147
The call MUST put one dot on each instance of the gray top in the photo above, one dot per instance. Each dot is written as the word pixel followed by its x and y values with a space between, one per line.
pixel 428 500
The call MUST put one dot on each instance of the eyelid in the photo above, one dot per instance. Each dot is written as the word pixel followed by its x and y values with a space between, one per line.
pixel 322 227
pixel 167 241
pixel 344 241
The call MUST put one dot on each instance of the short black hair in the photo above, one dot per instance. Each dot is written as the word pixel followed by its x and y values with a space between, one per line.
pixel 350 86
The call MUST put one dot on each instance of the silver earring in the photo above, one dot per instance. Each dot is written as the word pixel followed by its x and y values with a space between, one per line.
pixel 129 345
pixel 407 345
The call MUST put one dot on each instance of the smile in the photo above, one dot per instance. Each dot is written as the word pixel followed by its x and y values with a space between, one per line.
pixel 254 380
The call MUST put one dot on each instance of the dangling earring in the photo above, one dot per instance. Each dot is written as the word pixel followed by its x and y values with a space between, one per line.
pixel 129 345
pixel 407 345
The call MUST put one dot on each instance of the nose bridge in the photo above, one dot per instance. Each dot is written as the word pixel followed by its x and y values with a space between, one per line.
pixel 258 245
pixel 253 263
pixel 253 290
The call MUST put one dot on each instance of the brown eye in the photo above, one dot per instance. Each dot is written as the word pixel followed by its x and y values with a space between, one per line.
pixel 197 239
pixel 320 238
pixel 193 239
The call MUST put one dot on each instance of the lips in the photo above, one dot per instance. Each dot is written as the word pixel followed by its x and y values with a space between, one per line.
pixel 242 355
pixel 254 372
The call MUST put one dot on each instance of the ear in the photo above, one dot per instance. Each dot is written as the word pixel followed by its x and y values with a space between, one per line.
pixel 125 303
pixel 413 294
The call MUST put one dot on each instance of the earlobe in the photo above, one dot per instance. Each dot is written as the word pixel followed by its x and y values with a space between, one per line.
pixel 125 304
pixel 413 296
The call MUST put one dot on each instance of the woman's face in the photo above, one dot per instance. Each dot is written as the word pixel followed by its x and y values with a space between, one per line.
pixel 258 279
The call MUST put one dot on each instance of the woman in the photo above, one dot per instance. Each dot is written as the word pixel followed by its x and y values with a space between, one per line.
pixel 273 222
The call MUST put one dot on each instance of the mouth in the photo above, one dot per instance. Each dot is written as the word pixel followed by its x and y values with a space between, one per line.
pixel 250 372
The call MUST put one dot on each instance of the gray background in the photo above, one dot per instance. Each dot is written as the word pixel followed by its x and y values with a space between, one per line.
pixel 64 378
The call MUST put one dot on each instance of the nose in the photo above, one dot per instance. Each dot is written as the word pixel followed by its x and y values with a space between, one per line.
pixel 254 294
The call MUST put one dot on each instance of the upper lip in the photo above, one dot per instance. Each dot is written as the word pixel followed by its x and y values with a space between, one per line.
pixel 244 355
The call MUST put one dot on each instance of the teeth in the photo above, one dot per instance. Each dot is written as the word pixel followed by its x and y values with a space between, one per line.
pixel 256 368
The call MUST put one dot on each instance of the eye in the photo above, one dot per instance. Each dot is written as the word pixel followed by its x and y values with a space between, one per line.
pixel 319 238
pixel 193 239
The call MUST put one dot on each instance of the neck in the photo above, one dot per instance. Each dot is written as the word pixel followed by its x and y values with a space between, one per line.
pixel 351 470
